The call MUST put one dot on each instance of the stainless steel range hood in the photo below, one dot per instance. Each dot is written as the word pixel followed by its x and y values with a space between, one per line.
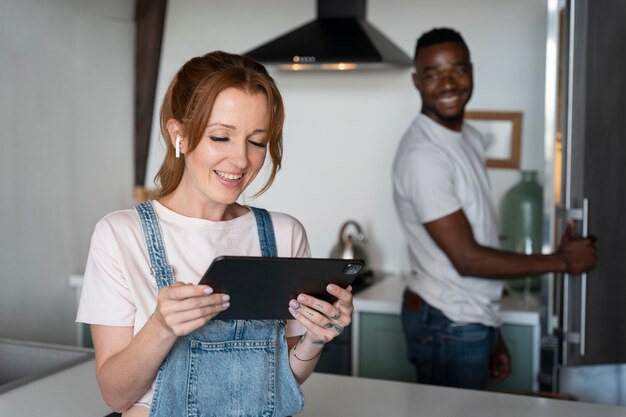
pixel 338 39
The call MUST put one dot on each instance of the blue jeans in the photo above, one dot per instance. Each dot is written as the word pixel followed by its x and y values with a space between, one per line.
pixel 445 352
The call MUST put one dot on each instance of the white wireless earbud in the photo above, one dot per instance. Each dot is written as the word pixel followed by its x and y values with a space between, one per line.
pixel 177 146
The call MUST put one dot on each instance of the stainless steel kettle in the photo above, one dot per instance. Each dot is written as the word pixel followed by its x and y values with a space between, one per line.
pixel 350 245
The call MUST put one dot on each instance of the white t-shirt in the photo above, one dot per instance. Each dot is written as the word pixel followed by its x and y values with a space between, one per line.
pixel 436 172
pixel 118 289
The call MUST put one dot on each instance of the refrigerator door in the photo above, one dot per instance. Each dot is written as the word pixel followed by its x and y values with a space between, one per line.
pixel 592 186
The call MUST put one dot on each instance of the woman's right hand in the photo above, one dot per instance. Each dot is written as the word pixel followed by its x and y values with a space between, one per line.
pixel 183 308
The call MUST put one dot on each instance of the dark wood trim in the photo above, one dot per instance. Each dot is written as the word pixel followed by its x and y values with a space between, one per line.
pixel 149 22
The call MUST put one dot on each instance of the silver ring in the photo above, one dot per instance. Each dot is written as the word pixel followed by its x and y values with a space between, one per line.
pixel 336 316
pixel 338 329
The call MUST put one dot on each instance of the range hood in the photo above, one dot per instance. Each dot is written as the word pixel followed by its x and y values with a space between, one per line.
pixel 338 39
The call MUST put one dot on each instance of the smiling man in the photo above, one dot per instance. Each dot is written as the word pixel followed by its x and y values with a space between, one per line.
pixel 451 308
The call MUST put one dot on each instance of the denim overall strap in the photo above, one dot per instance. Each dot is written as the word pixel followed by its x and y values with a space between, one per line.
pixel 228 368
pixel 159 266
pixel 264 225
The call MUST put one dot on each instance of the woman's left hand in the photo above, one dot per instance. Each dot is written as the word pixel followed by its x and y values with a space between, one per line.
pixel 324 321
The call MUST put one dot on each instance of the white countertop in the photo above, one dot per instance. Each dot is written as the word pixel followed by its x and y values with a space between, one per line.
pixel 332 395
pixel 74 392
pixel 385 296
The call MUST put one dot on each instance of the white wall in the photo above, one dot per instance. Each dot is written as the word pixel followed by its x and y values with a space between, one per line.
pixel 342 129
pixel 66 95
pixel 66 107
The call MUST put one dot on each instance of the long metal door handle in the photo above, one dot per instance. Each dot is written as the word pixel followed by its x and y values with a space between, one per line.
pixel 573 336
pixel 565 319
pixel 583 283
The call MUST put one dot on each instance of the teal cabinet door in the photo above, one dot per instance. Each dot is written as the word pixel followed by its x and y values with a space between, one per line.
pixel 382 349
pixel 382 352
pixel 519 341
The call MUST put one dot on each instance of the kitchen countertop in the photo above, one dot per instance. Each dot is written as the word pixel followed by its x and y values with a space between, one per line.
pixel 334 395
pixel 74 392
pixel 385 296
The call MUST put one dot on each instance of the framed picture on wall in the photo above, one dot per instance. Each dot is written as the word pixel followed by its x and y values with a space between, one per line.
pixel 502 136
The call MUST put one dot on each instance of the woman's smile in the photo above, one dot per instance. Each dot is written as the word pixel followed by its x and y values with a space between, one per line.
pixel 228 177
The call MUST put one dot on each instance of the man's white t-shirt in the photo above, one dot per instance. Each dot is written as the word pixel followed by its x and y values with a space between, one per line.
pixel 436 172
pixel 118 289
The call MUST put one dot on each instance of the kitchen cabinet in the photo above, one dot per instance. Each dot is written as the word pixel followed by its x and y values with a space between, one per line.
pixel 379 349
pixel 335 358
pixel 519 341
pixel 382 350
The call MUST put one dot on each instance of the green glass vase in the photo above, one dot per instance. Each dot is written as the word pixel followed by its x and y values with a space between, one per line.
pixel 521 220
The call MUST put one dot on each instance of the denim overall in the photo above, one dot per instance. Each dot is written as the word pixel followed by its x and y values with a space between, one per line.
pixel 226 367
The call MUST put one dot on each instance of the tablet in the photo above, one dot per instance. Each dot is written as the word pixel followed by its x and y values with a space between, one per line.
pixel 260 287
